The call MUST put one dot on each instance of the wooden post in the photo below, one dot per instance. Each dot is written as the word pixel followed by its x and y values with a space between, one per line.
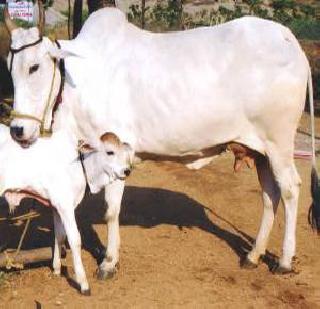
pixel 143 12
pixel 180 8
pixel 77 17
pixel 26 257
pixel 105 3
pixel 94 5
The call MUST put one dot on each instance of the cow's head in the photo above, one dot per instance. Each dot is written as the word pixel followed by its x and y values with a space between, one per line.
pixel 32 61
pixel 113 160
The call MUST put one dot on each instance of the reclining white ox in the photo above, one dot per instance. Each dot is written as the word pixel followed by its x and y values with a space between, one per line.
pixel 51 172
pixel 176 95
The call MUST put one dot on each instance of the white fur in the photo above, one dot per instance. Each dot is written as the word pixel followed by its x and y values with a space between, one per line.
pixel 52 169
pixel 178 93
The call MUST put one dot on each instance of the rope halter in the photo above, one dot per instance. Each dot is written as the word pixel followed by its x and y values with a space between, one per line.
pixel 42 121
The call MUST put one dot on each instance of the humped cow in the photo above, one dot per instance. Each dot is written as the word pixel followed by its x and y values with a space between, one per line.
pixel 181 96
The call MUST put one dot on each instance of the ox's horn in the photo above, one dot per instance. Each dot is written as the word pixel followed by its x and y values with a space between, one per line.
pixel 10 24
pixel 42 18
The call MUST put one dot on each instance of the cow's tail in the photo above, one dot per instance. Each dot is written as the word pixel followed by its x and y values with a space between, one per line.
pixel 314 211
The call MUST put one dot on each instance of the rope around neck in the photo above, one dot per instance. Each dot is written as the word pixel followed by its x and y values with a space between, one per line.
pixel 43 131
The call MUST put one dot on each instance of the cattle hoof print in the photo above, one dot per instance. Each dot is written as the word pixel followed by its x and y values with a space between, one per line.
pixel 247 264
pixel 86 292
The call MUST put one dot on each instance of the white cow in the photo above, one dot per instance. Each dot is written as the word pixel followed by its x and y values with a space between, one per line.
pixel 52 173
pixel 179 96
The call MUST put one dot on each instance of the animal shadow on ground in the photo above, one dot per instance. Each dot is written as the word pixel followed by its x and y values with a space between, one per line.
pixel 144 207
pixel 149 207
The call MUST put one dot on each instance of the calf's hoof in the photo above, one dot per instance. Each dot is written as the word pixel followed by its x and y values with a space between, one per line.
pixel 247 264
pixel 277 269
pixel 86 292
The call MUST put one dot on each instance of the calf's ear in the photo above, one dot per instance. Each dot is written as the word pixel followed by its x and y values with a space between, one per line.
pixel 110 138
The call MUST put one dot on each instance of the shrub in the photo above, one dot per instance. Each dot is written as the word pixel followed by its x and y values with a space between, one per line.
pixel 305 28
pixel 1 13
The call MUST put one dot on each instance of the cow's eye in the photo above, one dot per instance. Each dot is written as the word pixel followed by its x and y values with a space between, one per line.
pixel 110 153
pixel 34 68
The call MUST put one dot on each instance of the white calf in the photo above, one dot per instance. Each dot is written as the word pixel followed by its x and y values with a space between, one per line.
pixel 51 172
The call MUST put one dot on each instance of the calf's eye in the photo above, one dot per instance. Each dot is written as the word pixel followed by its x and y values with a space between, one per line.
pixel 34 68
pixel 110 153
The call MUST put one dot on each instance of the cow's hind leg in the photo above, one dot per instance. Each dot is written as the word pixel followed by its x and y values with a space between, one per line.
pixel 289 182
pixel 271 198
pixel 113 197
pixel 59 240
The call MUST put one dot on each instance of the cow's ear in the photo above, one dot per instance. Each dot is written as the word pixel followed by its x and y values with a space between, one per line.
pixel 127 147
pixel 86 148
pixel 54 51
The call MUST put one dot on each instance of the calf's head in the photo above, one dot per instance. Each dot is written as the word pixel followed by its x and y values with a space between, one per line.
pixel 113 160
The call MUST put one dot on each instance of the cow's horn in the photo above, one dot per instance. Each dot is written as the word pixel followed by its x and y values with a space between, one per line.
pixel 10 24
pixel 41 21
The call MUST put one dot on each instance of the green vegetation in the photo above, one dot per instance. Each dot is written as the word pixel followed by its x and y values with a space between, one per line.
pixel 84 17
pixel 306 29
pixel 2 278
pixel 168 15
pixel 1 13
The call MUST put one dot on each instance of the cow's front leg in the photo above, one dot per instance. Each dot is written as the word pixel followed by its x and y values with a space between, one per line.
pixel 113 197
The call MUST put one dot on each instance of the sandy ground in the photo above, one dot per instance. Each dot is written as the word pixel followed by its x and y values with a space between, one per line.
pixel 183 234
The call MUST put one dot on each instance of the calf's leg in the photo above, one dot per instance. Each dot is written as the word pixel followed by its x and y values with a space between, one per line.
pixel 68 219
pixel 59 239
pixel 113 198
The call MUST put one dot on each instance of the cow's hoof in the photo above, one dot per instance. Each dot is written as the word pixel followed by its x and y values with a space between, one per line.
pixel 247 264
pixel 56 273
pixel 86 292
pixel 105 274
pixel 277 269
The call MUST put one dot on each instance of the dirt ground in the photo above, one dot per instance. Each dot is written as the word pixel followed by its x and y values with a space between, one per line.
pixel 183 234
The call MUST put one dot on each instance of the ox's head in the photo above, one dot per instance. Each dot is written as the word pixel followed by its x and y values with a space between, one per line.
pixel 32 61
pixel 113 160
